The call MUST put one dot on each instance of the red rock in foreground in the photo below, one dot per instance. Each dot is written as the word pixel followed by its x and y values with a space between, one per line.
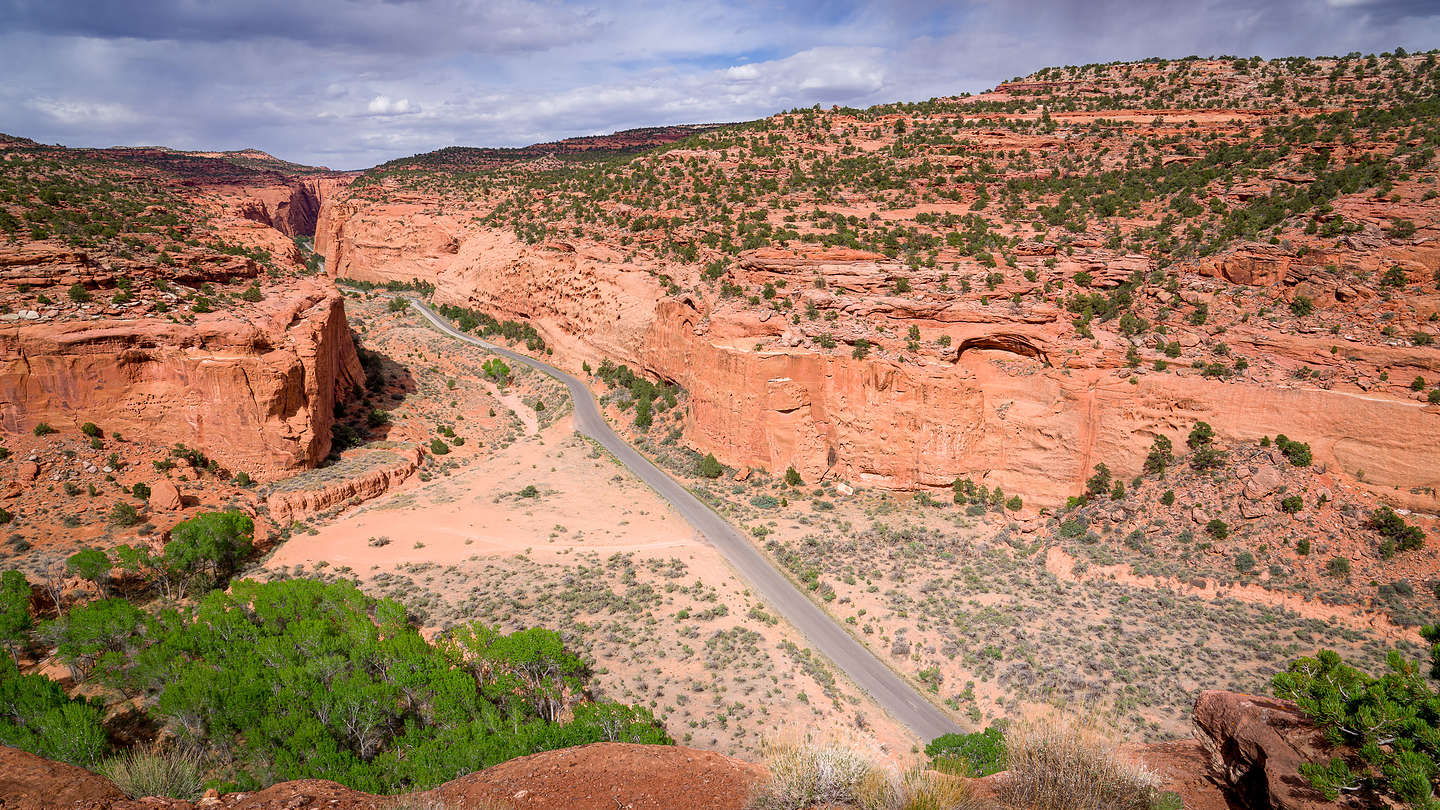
pixel 1256 747
pixel 600 776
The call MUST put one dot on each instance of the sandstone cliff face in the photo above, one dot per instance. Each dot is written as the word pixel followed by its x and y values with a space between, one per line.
pixel 1006 419
pixel 588 306
pixel 255 390
pixel 1017 402
pixel 291 207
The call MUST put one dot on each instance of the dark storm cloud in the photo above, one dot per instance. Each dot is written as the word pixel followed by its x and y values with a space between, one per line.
pixel 353 82
pixel 407 26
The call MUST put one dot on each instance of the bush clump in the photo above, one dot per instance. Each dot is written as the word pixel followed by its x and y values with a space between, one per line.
pixel 1297 452
pixel 1072 764
pixel 173 774
pixel 978 754
pixel 307 680
pixel 710 467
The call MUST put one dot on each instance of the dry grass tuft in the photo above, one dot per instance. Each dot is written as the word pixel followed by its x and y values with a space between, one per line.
pixel 1073 763
pixel 173 774
pixel 804 775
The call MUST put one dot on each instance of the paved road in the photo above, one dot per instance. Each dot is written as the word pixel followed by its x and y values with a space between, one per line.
pixel 893 694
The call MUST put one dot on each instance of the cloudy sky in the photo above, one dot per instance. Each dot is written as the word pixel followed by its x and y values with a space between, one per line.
pixel 350 83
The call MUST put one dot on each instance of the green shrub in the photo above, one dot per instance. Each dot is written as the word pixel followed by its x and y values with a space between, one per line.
pixel 1217 529
pixel 15 619
pixel 1392 527
pixel 44 429
pixel 710 467
pixel 90 429
pixel 37 716
pixel 124 515
pixel 1244 562
pixel 792 477
pixel 91 564
pixel 438 446
pixel 978 754
pixel 78 293
pixel 1099 483
pixel 1338 567
pixel 497 370
pixel 301 679
pixel 140 490
pixel 1297 452
pixel 765 501
pixel 1168 498
pixel 206 550
pixel 1161 455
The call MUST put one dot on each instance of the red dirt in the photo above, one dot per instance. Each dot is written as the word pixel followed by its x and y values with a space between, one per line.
pixel 600 776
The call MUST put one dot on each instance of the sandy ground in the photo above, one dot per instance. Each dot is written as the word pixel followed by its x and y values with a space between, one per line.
pixel 592 552
pixel 479 511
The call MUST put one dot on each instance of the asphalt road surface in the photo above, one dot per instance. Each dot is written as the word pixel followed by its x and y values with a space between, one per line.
pixel 893 694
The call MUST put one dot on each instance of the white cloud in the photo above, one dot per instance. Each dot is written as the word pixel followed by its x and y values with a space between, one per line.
pixel 71 112
pixel 384 105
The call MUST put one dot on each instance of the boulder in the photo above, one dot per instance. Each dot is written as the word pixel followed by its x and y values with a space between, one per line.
pixel 1264 481
pixel 165 496
pixel 1256 509
pixel 27 470
pixel 1256 746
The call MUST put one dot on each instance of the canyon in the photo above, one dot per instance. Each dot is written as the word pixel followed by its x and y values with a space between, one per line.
pixel 1012 396
pixel 1095 388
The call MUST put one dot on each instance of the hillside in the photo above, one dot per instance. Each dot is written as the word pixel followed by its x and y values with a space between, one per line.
pixel 1096 256
pixel 1115 386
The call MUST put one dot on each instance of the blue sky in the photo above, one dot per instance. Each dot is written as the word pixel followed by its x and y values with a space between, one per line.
pixel 350 83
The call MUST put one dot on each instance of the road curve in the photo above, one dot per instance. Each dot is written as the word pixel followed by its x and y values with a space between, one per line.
pixel 893 694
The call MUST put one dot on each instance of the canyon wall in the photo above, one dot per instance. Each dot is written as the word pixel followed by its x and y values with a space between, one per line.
pixel 291 207
pixel 1017 402
pixel 1008 420
pixel 253 389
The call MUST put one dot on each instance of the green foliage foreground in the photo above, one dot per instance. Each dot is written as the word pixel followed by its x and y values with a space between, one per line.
pixel 303 679
pixel 1391 723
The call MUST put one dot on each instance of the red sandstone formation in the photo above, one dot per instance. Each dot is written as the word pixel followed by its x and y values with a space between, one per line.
pixel 1000 385
pixel 991 408
pixel 600 776
pixel 255 390
pixel 389 470
pixel 1256 747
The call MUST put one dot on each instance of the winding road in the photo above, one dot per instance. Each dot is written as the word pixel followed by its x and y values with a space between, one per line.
pixel 891 692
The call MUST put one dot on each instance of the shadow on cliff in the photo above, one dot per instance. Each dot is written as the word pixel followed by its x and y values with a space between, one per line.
pixel 364 416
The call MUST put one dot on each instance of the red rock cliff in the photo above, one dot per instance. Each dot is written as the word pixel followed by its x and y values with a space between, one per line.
pixel 1018 402
pixel 253 389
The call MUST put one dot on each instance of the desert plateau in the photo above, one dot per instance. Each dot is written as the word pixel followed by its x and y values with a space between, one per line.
pixel 850 427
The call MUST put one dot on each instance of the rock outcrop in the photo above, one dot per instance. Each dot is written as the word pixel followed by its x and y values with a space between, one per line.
pixel 599 776
pixel 388 469
pixel 291 207
pixel 254 389
pixel 1257 745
